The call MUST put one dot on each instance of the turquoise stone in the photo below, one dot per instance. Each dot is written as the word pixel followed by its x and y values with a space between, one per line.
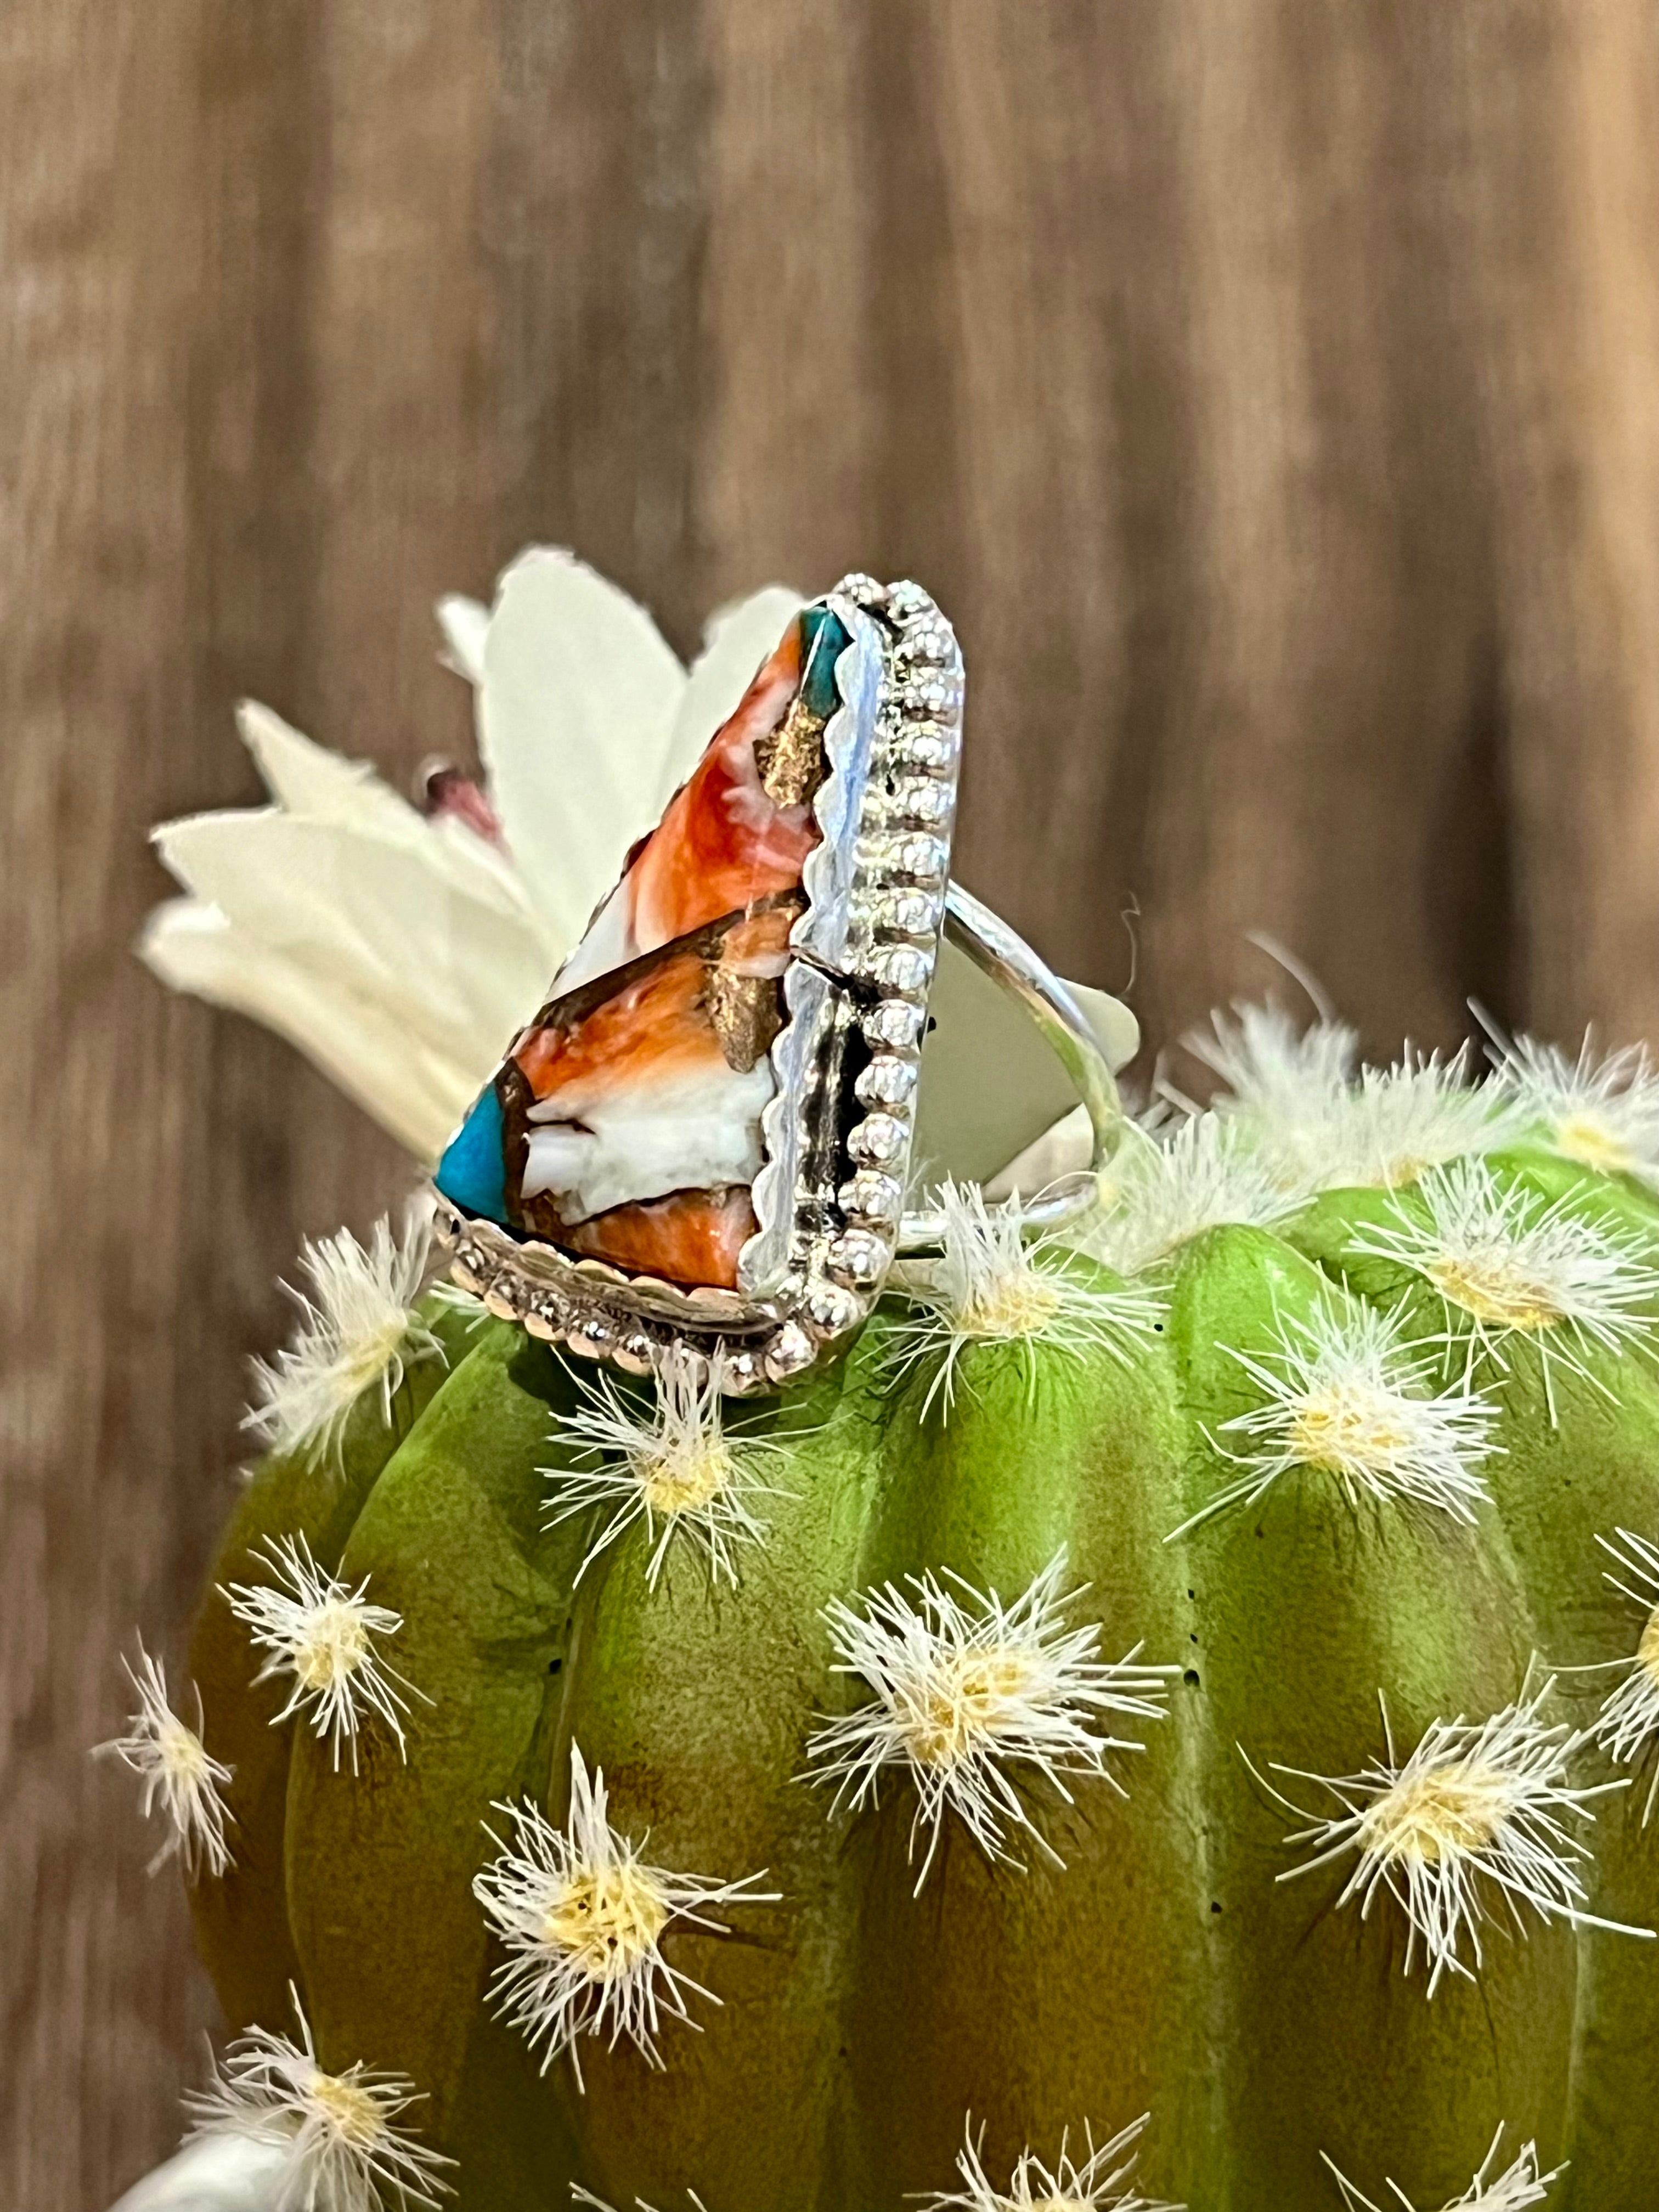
pixel 823 640
pixel 472 1172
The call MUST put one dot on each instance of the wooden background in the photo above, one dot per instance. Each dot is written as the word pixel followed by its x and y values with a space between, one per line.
pixel 1270 388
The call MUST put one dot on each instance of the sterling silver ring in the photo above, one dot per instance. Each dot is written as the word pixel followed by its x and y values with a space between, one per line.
pixel 709 1141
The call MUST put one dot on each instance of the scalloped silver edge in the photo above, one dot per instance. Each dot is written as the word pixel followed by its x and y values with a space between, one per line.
pixel 777 1193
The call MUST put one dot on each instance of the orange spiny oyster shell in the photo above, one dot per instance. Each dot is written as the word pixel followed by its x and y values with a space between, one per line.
pixel 625 1123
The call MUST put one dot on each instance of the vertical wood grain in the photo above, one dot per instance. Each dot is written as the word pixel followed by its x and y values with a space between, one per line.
pixel 99 695
pixel 1268 387
pixel 1568 103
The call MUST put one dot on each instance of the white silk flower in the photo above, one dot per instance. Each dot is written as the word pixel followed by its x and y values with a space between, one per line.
pixel 401 950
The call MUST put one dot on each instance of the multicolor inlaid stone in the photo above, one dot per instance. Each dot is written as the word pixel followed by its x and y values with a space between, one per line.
pixel 624 1124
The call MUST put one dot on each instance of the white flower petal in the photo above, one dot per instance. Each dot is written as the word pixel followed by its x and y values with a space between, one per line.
pixel 1116 1030
pixel 460 967
pixel 990 1084
pixel 402 953
pixel 399 954
pixel 736 640
pixel 413 1087
pixel 464 624
pixel 214 2173
pixel 306 778
pixel 1065 1148
pixel 309 782
pixel 576 717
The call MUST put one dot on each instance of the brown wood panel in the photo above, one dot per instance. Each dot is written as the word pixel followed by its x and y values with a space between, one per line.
pixel 1270 388
pixel 1567 102
pixel 100 697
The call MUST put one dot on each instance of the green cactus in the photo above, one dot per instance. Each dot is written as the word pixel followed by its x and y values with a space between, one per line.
pixel 1122 1687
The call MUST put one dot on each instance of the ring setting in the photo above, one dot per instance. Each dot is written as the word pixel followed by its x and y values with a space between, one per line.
pixel 702 1144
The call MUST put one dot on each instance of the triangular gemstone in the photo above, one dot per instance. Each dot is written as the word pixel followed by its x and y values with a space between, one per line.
pixel 624 1125
pixel 703 1137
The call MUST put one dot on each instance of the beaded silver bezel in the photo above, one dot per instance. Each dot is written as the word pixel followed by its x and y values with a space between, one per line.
pixel 838 1133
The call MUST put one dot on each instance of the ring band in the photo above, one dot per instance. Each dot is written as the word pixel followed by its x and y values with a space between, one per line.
pixel 701 1146
pixel 999 952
